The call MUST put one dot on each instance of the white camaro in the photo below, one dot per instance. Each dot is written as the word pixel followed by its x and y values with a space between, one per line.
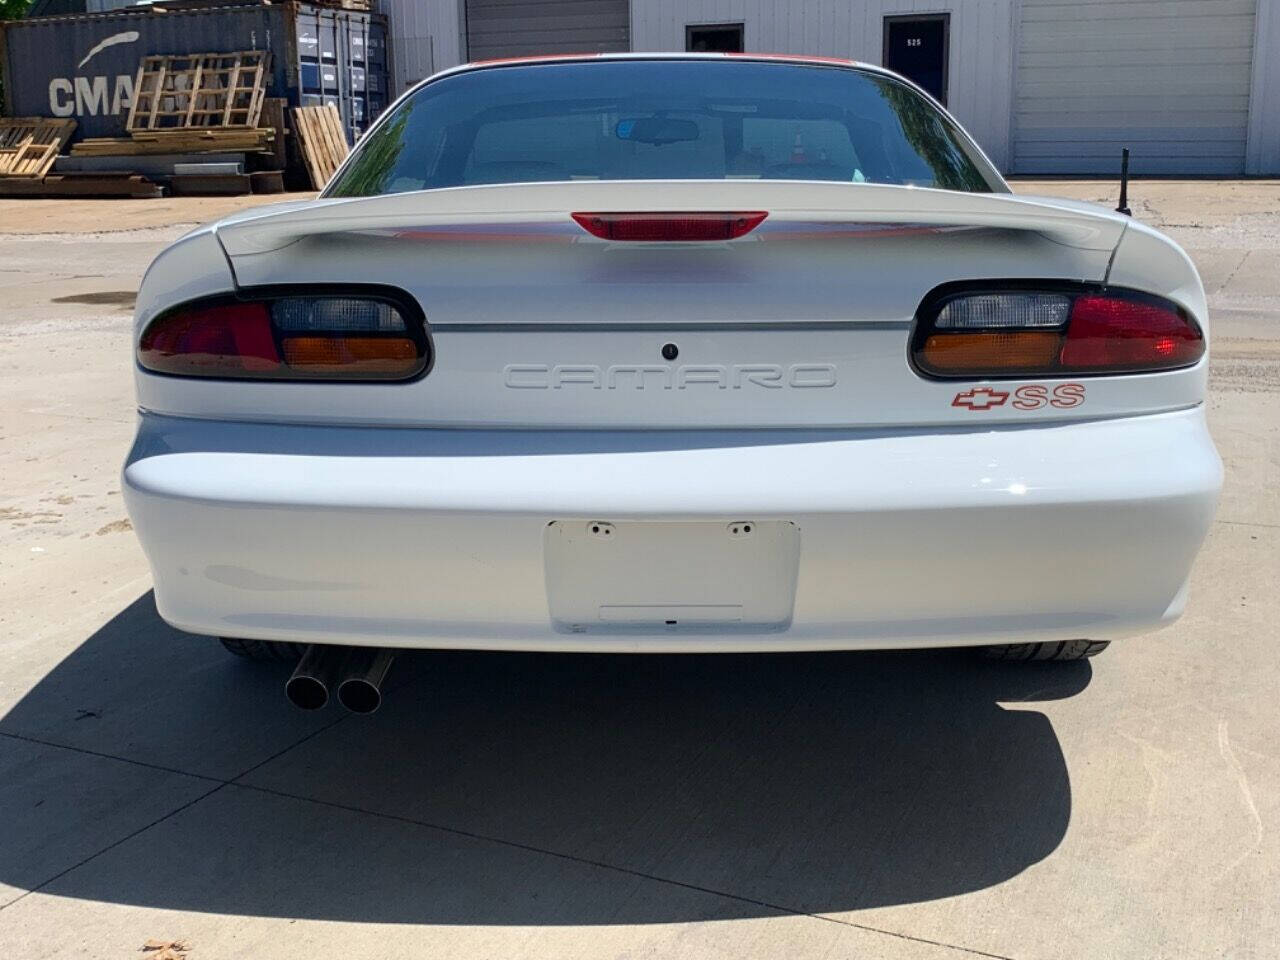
pixel 669 353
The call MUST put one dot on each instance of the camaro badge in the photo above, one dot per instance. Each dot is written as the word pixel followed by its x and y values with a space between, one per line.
pixel 661 376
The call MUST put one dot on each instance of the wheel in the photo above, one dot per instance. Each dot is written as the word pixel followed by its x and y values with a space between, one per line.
pixel 1062 650
pixel 268 650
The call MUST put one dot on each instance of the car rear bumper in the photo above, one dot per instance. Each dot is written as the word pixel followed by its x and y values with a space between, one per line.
pixel 437 538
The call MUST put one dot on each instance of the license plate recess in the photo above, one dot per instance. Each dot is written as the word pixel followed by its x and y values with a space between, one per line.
pixel 640 576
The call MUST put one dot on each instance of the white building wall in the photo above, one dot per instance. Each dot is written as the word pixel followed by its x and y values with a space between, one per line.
pixel 980 84
pixel 1262 152
pixel 426 36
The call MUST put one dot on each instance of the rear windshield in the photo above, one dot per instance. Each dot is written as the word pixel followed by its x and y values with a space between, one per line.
pixel 663 120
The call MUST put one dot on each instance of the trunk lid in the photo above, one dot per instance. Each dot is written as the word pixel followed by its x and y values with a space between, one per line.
pixel 536 323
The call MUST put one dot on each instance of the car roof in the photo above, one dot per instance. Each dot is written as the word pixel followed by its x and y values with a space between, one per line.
pixel 793 58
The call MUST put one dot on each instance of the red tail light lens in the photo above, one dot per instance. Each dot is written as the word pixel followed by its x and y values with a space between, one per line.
pixel 339 337
pixel 224 340
pixel 988 334
pixel 681 227
pixel 1112 334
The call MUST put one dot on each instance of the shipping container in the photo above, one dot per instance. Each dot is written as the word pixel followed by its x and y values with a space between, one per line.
pixel 84 66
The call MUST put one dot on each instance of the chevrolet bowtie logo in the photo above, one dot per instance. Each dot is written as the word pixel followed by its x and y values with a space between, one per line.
pixel 980 398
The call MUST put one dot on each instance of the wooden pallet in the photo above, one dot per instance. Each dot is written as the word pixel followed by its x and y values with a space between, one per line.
pixel 324 145
pixel 211 140
pixel 199 90
pixel 29 145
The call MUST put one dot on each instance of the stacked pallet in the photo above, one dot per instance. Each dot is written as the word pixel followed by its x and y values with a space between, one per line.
pixel 193 103
pixel 29 145
pixel 192 140
pixel 185 107
pixel 199 90
pixel 200 103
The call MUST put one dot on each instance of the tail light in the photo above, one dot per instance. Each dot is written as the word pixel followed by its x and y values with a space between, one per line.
pixel 968 333
pixel 669 226
pixel 341 336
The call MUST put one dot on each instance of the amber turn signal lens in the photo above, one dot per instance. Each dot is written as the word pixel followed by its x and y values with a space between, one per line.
pixel 367 356
pixel 994 353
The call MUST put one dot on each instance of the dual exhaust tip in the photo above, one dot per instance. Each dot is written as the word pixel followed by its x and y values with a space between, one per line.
pixel 356 673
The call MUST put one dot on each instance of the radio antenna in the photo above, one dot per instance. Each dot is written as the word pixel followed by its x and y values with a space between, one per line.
pixel 1124 184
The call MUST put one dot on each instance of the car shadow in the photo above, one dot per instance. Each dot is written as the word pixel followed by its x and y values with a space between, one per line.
pixel 542 789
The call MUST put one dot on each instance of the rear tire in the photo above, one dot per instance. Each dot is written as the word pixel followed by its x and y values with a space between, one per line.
pixel 1062 650
pixel 274 651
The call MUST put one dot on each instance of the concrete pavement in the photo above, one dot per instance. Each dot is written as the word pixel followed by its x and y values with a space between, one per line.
pixel 919 805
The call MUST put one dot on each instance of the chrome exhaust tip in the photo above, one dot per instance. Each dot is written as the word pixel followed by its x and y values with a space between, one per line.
pixel 317 672
pixel 364 672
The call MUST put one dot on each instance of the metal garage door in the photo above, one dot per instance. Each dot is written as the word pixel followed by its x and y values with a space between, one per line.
pixel 1169 80
pixel 521 28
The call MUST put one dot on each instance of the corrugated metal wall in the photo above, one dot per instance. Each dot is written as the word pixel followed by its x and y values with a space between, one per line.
pixel 413 28
pixel 1168 80
pixel 982 38
pixel 521 28
pixel 1262 155
pixel 99 6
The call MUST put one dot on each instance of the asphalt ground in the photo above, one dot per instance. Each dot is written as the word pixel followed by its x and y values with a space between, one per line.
pixel 883 805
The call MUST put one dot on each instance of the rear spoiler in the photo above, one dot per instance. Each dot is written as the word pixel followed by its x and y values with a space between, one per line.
pixel 546 207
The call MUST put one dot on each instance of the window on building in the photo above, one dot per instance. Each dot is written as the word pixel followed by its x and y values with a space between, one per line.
pixel 713 38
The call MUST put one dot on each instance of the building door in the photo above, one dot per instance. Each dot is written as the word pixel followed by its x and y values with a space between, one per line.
pixel 713 38
pixel 916 47
pixel 1170 81
pixel 525 28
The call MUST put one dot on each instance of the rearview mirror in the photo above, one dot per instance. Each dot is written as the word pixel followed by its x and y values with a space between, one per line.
pixel 657 130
